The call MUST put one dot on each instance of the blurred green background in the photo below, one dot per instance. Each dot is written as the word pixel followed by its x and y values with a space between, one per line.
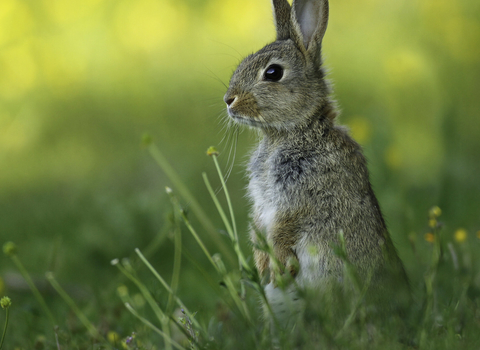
pixel 82 81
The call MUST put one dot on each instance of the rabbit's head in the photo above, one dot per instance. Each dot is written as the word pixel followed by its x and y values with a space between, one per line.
pixel 282 85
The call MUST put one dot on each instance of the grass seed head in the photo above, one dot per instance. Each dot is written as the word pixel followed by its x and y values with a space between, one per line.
pixel 212 151
pixel 5 302
pixel 10 249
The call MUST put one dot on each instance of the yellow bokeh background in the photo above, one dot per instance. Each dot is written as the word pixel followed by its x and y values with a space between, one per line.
pixel 82 81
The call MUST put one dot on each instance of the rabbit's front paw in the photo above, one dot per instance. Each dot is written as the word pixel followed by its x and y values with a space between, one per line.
pixel 283 267
pixel 292 266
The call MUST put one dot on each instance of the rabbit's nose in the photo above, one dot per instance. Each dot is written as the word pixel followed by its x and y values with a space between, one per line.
pixel 229 100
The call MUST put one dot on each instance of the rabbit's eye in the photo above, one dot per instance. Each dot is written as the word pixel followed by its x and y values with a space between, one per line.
pixel 274 72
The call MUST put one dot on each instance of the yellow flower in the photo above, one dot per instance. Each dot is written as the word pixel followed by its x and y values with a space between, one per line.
pixel 460 235
pixel 113 337
pixel 432 223
pixel 430 237
pixel 435 212
pixel 478 234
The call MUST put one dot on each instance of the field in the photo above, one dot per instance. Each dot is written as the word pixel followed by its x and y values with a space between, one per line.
pixel 81 84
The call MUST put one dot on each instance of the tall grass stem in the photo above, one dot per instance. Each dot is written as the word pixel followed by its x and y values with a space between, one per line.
pixel 80 315
pixel 197 238
pixel 162 318
pixel 152 327
pixel 166 286
pixel 193 204
pixel 4 328
pixel 227 196
pixel 241 258
pixel 177 257
pixel 34 289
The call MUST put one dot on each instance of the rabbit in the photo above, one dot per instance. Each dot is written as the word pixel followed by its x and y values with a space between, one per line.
pixel 308 179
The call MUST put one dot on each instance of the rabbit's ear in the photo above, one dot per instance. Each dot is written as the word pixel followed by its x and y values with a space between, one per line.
pixel 282 17
pixel 310 18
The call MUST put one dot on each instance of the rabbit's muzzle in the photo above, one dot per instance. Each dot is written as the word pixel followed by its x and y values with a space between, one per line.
pixel 243 108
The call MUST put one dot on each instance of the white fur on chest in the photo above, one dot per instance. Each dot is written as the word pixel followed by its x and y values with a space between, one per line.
pixel 267 216
pixel 264 208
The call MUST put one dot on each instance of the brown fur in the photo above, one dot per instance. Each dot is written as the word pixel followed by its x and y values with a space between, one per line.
pixel 308 178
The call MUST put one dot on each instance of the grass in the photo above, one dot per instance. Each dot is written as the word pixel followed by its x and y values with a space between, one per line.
pixel 5 303
pixel 445 314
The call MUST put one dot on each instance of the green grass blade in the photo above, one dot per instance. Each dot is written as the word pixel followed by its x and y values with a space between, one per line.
pixel 34 289
pixel 166 286
pixel 227 196
pixel 188 197
pixel 219 207
pixel 236 246
pixel 163 319
pixel 80 315
pixel 177 258
pixel 197 238
pixel 152 327
pixel 4 328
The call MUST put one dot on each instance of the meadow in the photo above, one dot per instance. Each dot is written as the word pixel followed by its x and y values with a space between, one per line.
pixel 82 83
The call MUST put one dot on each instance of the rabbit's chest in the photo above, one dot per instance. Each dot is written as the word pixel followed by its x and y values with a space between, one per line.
pixel 268 189
pixel 264 207
pixel 261 191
